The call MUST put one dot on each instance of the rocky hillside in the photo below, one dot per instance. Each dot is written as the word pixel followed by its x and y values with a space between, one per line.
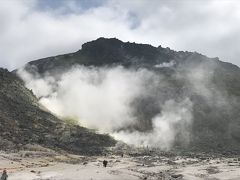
pixel 106 52
pixel 212 86
pixel 23 121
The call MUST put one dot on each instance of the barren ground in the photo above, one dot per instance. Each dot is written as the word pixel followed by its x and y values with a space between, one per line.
pixel 38 165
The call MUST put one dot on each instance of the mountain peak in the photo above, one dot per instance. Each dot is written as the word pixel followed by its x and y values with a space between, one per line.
pixel 205 82
pixel 112 51
pixel 102 44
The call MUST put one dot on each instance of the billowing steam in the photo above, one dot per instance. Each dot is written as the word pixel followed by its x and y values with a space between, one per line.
pixel 105 99
pixel 99 98
pixel 164 126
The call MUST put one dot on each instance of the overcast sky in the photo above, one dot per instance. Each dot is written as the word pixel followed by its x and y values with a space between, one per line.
pixel 32 29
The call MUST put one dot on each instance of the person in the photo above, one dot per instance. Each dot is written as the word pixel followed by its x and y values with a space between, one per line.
pixel 4 175
pixel 105 163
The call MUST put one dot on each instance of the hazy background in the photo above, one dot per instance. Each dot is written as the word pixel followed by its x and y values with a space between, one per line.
pixel 32 29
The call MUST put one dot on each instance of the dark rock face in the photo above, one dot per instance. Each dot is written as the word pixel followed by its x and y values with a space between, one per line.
pixel 216 118
pixel 23 121
pixel 107 52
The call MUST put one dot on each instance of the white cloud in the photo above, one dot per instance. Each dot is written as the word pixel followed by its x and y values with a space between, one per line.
pixel 210 27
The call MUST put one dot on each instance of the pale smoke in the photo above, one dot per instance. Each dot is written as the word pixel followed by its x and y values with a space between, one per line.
pixel 98 98
pixel 166 64
pixel 200 78
pixel 40 86
pixel 102 98
pixel 175 117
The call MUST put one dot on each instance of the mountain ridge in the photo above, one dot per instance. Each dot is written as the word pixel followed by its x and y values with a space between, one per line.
pixel 212 86
pixel 113 51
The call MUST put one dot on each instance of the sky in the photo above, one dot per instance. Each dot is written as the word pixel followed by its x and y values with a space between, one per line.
pixel 33 29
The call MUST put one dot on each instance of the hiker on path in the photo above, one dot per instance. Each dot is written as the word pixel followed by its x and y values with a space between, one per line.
pixel 4 175
pixel 105 163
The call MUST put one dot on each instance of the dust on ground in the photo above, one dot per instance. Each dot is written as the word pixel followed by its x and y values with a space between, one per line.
pixel 49 165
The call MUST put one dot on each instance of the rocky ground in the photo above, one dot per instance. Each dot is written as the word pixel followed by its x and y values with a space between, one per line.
pixel 49 165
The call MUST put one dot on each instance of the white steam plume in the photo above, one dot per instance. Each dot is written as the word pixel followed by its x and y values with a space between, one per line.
pixel 175 117
pixel 166 64
pixel 102 98
pixel 98 97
